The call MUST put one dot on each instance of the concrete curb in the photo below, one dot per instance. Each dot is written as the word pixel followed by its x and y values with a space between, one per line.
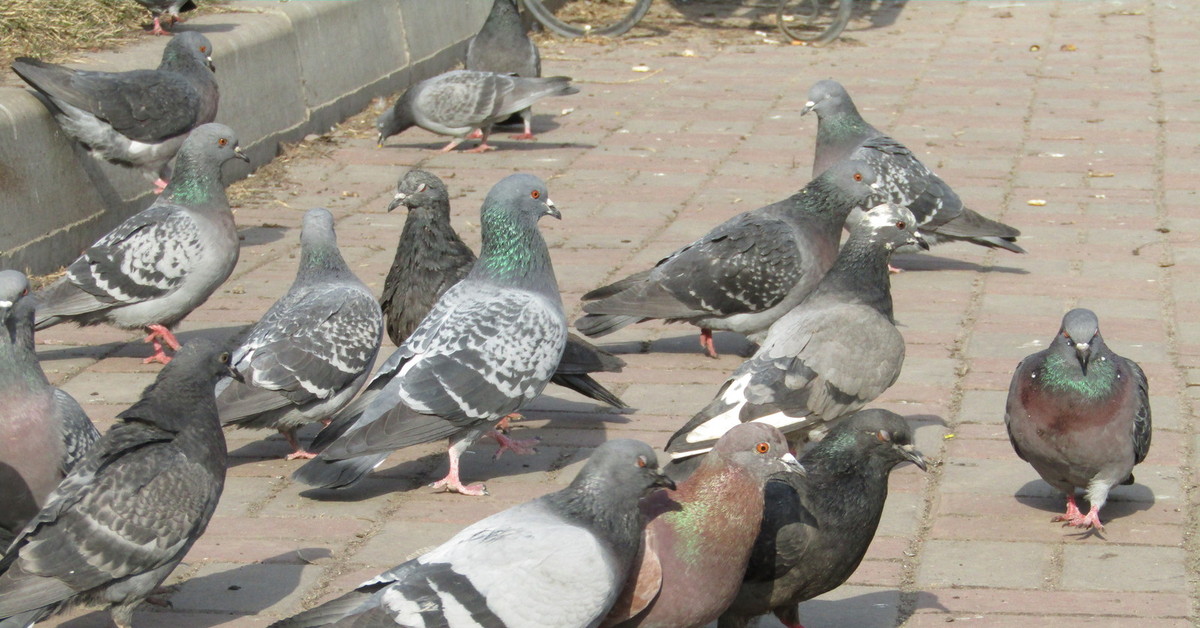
pixel 285 69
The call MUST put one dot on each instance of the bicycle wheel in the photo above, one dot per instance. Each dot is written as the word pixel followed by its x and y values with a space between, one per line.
pixel 814 21
pixel 576 18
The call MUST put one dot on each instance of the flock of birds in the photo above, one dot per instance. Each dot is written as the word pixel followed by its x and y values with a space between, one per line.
pixel 732 527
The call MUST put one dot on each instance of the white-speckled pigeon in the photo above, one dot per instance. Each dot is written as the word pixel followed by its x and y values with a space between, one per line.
pixel 160 264
pixel 312 351
pixel 169 9
pixel 699 538
pixel 558 561
pixel 828 357
pixel 502 46
pixel 458 102
pixel 744 274
pixel 1080 414
pixel 904 180
pixel 816 528
pixel 128 512
pixel 430 257
pixel 137 119
pixel 43 431
pixel 487 349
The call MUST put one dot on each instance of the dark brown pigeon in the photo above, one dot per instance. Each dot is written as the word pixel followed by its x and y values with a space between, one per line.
pixel 1080 414
pixel 817 528
pixel 696 545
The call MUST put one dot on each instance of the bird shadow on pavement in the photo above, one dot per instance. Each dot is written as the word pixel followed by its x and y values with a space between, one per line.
pixel 1123 501
pixel 726 343
pixel 261 234
pixel 926 262
pixel 877 608
pixel 499 140
pixel 200 28
pixel 133 348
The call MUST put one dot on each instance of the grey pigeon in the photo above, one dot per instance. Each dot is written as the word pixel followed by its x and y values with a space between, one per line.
pixel 430 258
pixel 169 9
pixel 1080 414
pixel 488 348
pixel 312 351
pixel 160 264
pixel 558 561
pixel 744 274
pixel 458 102
pixel 139 118
pixel 816 528
pixel 502 46
pixel 904 180
pixel 43 431
pixel 128 512
pixel 831 355
pixel 699 538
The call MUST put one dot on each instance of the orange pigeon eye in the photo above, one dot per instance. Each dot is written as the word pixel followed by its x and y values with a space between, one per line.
pixel 536 194
pixel 858 176
pixel 762 448
pixel 222 142
pixel 901 225
pixel 641 461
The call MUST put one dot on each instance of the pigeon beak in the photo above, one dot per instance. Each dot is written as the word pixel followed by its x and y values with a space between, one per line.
pixel 237 152
pixel 919 240
pixel 379 142
pixel 661 480
pixel 792 464
pixel 911 454
pixel 397 201
pixel 551 210
pixel 211 66
pixel 1083 352
pixel 808 106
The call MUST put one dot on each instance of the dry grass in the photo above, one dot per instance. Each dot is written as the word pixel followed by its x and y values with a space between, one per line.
pixel 52 29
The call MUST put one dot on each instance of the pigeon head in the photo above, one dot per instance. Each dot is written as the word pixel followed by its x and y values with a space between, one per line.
pixel 197 177
pixel 187 50
pixel 418 189
pixel 892 226
pixel 14 287
pixel 757 447
pixel 622 468
pixel 397 119
pixel 512 247
pixel 868 442
pixel 200 360
pixel 825 97
pixel 1080 334
pixel 848 182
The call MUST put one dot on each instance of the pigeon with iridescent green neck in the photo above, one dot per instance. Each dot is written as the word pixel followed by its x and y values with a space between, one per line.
pixel 488 348
pixel 1080 414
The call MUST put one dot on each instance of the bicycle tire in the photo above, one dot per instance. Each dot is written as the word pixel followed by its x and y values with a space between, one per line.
pixel 815 22
pixel 551 20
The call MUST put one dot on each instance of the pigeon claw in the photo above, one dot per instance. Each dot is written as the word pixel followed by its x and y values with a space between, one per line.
pixel 482 148
pixel 524 136
pixel 706 343
pixel 454 485
pixel 518 447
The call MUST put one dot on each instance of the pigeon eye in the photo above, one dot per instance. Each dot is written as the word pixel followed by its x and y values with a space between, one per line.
pixel 858 176
pixel 536 194
pixel 762 448
pixel 204 49
pixel 222 142
pixel 901 225
pixel 641 460
pixel 883 436
pixel 421 188
pixel 224 358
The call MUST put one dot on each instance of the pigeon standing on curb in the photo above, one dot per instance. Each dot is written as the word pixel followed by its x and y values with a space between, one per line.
pixel 458 102
pixel 699 538
pixel 1080 414
pixel 488 348
pixel 169 9
pixel 43 431
pixel 744 274
pixel 558 561
pixel 160 264
pixel 817 528
pixel 127 514
pixel 502 46
pixel 137 119
pixel 312 351
pixel 831 355
pixel 904 180
pixel 430 257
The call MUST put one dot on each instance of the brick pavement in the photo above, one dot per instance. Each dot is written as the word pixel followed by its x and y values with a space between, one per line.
pixel 1099 121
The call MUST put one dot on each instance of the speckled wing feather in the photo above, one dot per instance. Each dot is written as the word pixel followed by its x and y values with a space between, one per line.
pixel 905 181
pixel 1141 417
pixel 463 99
pixel 78 431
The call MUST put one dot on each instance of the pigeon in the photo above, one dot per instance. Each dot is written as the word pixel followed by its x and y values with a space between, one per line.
pixel 831 355
pixel 458 102
pixel 904 180
pixel 169 9
pixel 312 351
pixel 558 561
pixel 431 257
pixel 816 528
pixel 488 348
pixel 1080 414
pixel 126 515
pixel 744 274
pixel 160 264
pixel 502 46
pixel 699 538
pixel 137 119
pixel 43 431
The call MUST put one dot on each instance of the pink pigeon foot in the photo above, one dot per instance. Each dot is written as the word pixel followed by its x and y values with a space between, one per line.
pixel 160 184
pixel 518 447
pixel 893 270
pixel 1091 520
pixel 449 147
pixel 451 483
pixel 157 333
pixel 1073 513
pixel 158 29
pixel 474 135
pixel 482 148
pixel 298 452
pixel 527 135
pixel 706 343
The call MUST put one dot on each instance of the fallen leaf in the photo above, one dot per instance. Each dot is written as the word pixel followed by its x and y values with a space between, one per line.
pixel 1036 202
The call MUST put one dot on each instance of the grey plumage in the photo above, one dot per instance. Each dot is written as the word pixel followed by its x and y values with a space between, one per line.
pixel 831 355
pixel 744 274
pixel 127 514
pixel 488 348
pixel 461 101
pixel 156 267
pixel 169 9
pixel 558 561
pixel 43 431
pixel 1080 414
pixel 843 134
pixel 816 528
pixel 139 118
pixel 431 257
pixel 312 351
pixel 502 46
